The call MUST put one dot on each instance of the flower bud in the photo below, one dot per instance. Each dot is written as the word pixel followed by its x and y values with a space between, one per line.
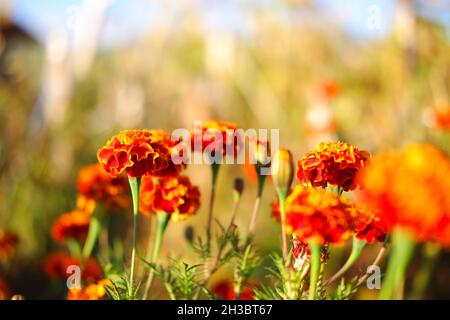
pixel 238 186
pixel 262 154
pixel 282 170
pixel 189 234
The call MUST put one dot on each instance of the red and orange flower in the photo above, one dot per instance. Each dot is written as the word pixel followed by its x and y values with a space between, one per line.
pixel 8 244
pixel 136 152
pixel 225 290
pixel 410 189
pixel 71 225
pixel 94 291
pixel 56 264
pixel 96 184
pixel 316 215
pixel 215 137
pixel 332 163
pixel 173 195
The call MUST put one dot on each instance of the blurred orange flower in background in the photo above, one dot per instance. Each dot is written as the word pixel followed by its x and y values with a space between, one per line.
pixel 94 291
pixel 136 152
pixel 4 290
pixel 329 89
pixel 96 184
pixel 437 117
pixel 224 290
pixel 173 195
pixel 8 244
pixel 56 264
pixel 71 225
pixel 442 117
pixel 410 188
pixel 320 216
pixel 213 130
pixel 334 163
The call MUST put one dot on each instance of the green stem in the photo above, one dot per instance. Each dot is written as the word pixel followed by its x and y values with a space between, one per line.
pixel 315 269
pixel 282 199
pixel 357 248
pixel 91 239
pixel 255 213
pixel 402 251
pixel 134 186
pixel 163 221
pixel 430 252
pixel 214 173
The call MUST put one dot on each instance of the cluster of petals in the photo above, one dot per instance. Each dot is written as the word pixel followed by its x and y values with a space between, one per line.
pixel 410 188
pixel 174 195
pixel 217 138
pixel 332 163
pixel 96 184
pixel 71 225
pixel 93 291
pixel 57 264
pixel 136 152
pixel 316 215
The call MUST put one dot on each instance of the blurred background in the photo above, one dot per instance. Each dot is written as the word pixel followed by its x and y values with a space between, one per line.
pixel 72 73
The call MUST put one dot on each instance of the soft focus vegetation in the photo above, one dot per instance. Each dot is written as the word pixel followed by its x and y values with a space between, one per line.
pixel 311 80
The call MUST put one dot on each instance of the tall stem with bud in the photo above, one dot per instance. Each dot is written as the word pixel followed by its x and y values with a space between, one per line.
pixel 214 173
pixel 282 176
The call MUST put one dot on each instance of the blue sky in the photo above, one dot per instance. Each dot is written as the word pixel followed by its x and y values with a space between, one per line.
pixel 128 20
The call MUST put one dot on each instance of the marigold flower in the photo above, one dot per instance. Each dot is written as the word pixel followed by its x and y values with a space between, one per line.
pixel 8 244
pixel 94 291
pixel 173 195
pixel 410 189
pixel 73 224
pixel 224 290
pixel 136 152
pixel 318 215
pixel 56 264
pixel 334 163
pixel 371 227
pixel 212 130
pixel 96 184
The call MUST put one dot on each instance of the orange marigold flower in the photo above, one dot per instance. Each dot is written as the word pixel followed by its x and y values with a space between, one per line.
pixel 410 189
pixel 224 290
pixel 56 264
pixel 215 137
pixel 371 227
pixel 8 244
pixel 173 195
pixel 334 163
pixel 96 184
pixel 318 215
pixel 94 291
pixel 73 224
pixel 136 152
